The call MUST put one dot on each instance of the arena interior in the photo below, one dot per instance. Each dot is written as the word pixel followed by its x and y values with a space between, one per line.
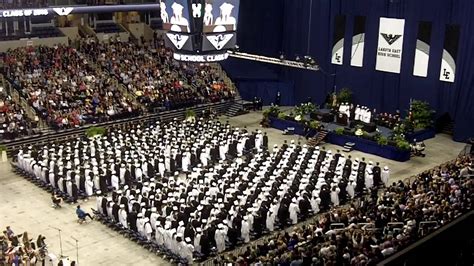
pixel 236 132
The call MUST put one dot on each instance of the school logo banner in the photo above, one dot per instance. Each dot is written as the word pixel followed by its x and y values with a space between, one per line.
pixel 422 54
pixel 390 45
pixel 450 52
pixel 338 40
pixel 358 41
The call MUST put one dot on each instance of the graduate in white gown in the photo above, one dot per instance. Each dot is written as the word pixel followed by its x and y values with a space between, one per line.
pixel 197 240
pixel 89 187
pixel 245 230
pixel 294 210
pixel 115 182
pixel 335 195
pixel 220 238
pixel 186 161
pixel 148 230
pixel 270 222
pixel 187 251
pixel 123 216
pixel 351 188
pixel 369 179
pixel 385 175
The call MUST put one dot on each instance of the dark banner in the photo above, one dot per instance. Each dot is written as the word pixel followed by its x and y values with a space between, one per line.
pixel 338 39
pixel 450 53
pixel 358 41
pixel 422 54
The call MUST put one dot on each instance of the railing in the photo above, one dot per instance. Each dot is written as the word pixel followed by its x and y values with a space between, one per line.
pixel 441 247
pixel 66 134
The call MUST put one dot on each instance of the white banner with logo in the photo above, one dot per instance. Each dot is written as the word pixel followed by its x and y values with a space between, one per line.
pixel 390 45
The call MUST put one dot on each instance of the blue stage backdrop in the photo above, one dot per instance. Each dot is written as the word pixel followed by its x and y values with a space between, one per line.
pixel 269 27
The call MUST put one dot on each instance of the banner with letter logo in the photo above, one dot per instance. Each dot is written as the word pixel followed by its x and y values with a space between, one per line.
pixel 338 40
pixel 450 52
pixel 358 41
pixel 390 45
pixel 422 53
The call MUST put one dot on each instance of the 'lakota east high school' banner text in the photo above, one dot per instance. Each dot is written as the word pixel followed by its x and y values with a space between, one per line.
pixel 390 45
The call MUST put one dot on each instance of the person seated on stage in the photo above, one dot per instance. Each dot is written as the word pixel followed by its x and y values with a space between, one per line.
pixel 56 201
pixel 82 214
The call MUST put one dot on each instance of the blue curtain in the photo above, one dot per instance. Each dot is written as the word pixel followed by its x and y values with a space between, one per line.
pixel 270 26
pixel 267 91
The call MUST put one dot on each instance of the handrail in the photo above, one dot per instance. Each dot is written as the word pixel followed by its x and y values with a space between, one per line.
pixel 75 131
pixel 395 257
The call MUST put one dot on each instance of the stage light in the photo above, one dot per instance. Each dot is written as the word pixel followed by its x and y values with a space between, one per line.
pixel 297 58
pixel 282 56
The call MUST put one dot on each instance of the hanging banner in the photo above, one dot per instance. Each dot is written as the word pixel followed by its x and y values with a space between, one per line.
pixel 358 41
pixel 422 54
pixel 390 45
pixel 338 40
pixel 450 52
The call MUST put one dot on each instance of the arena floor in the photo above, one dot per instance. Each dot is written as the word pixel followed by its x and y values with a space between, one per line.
pixel 26 207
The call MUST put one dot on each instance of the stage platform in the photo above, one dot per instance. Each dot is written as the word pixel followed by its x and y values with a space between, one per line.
pixel 361 144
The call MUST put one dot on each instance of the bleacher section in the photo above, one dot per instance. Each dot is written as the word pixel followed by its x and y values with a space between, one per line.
pixel 108 27
pixel 45 32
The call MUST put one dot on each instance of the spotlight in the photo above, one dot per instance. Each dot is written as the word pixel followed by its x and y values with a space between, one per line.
pixel 282 56
pixel 236 48
pixel 297 58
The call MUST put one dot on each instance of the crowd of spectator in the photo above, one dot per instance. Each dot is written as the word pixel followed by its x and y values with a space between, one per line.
pixel 13 119
pixel 12 4
pixel 364 234
pixel 149 72
pixel 21 249
pixel 66 87
pixel 73 85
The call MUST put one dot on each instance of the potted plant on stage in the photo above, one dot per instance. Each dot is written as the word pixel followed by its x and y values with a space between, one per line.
pixel 381 140
pixel 3 150
pixel 314 125
pixel 190 115
pixel 420 115
pixel 281 116
pixel 95 132
pixel 401 143
pixel 273 111
pixel 344 96
pixel 339 130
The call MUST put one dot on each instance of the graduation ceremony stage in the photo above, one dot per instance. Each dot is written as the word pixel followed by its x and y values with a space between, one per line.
pixel 360 144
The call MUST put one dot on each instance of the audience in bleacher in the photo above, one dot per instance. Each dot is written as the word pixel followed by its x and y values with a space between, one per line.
pixel 364 234
pixel 13 119
pixel 66 87
pixel 21 249
pixel 155 78
pixel 71 87
pixel 13 4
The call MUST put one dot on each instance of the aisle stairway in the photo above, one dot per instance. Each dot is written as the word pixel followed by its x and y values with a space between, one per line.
pixel 448 128
pixel 348 147
pixel 318 139
pixel 236 108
